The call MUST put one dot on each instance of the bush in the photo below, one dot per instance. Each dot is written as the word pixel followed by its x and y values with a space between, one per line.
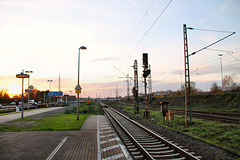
pixel 42 106
pixel 85 108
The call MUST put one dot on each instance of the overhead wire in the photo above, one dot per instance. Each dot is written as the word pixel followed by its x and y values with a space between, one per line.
pixel 139 24
pixel 147 31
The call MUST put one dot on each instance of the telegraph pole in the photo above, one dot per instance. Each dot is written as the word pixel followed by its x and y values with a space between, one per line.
pixel 150 85
pixel 135 88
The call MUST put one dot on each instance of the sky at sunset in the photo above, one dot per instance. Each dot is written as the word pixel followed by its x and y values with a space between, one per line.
pixel 44 36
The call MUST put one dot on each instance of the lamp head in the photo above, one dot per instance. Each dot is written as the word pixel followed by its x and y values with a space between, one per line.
pixel 83 47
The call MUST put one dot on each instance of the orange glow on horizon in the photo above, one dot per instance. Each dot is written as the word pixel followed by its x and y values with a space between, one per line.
pixel 14 95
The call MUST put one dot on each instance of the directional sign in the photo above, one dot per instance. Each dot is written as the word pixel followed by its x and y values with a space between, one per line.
pixel 88 100
pixel 55 94
pixel 78 89
pixel 28 90
pixel 22 76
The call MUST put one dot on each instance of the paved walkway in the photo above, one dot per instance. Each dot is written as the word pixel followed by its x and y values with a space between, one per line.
pixel 96 140
pixel 11 117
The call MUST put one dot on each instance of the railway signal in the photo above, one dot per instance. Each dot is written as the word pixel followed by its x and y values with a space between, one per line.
pixel 145 60
pixel 146 72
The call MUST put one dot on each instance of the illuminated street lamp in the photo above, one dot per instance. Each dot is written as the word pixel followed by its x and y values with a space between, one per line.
pixel 78 87
pixel 29 86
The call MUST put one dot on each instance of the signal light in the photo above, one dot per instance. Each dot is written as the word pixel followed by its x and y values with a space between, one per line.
pixel 145 60
pixel 146 73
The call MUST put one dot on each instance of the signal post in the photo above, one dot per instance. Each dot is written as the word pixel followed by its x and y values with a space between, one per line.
pixel 146 72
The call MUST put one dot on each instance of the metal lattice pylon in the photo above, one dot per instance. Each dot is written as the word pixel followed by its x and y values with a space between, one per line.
pixel 136 104
pixel 187 76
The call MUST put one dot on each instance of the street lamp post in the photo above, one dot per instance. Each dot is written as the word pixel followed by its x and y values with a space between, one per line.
pixel 78 87
pixel 71 94
pixel 50 90
pixel 28 86
pixel 220 55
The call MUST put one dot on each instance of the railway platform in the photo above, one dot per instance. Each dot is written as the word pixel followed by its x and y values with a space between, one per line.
pixel 96 141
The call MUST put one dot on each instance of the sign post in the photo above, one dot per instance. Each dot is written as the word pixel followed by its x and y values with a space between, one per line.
pixel 78 90
pixel 22 75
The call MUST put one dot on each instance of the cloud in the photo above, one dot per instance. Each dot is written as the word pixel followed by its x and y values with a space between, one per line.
pixel 230 6
pixel 105 59
pixel 210 38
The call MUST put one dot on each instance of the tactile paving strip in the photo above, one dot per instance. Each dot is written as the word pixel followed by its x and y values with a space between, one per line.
pixel 111 146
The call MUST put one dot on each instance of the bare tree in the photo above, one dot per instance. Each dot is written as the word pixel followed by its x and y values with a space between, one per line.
pixel 228 83
pixel 215 88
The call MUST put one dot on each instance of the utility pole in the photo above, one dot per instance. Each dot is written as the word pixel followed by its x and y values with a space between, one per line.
pixel 127 76
pixel 186 61
pixel 128 93
pixel 150 85
pixel 116 92
pixel 135 88
pixel 187 77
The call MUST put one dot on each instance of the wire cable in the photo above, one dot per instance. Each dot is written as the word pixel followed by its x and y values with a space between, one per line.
pixel 147 31
pixel 140 22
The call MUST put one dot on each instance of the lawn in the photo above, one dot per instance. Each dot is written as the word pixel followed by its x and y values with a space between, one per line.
pixel 57 122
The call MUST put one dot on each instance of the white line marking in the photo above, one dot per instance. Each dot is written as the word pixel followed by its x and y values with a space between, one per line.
pixel 106 128
pixel 109 148
pixel 109 135
pixel 108 131
pixel 109 140
pixel 57 148
pixel 114 157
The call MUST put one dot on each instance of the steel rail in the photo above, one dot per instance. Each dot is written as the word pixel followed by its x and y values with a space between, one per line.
pixel 145 153
pixel 176 148
pixel 211 117
pixel 213 112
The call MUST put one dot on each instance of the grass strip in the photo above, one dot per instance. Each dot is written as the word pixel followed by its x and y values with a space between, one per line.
pixel 59 122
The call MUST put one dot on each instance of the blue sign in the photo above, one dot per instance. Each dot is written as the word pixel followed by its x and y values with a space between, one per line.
pixel 55 94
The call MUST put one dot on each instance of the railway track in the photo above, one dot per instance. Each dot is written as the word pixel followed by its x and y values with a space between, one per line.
pixel 226 117
pixel 215 116
pixel 143 143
